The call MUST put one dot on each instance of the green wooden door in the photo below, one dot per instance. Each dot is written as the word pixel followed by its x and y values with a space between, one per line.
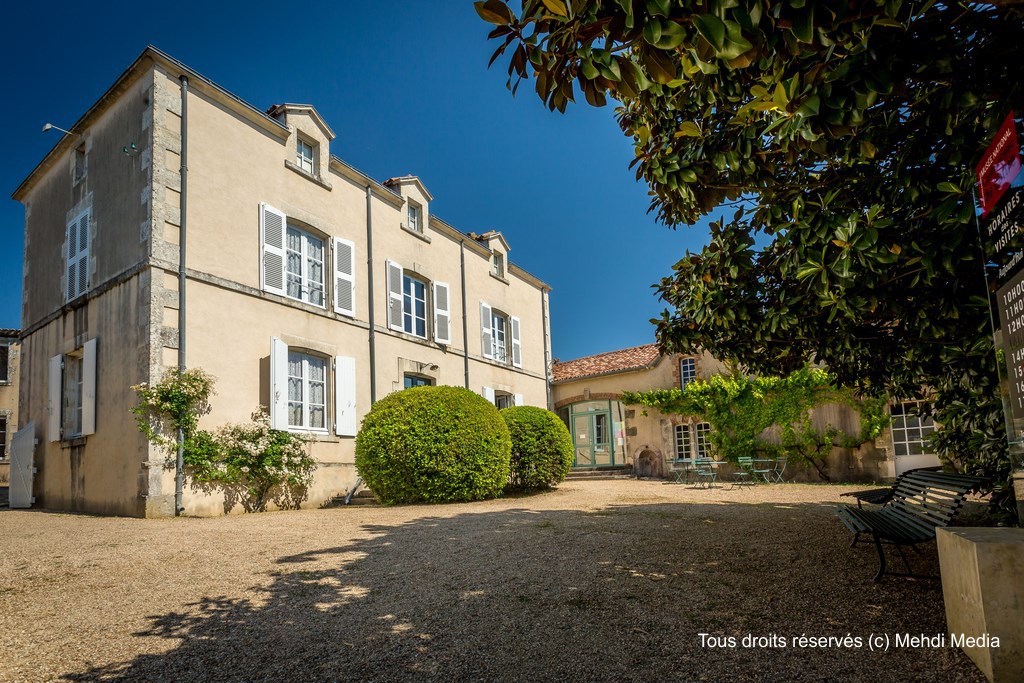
pixel 592 434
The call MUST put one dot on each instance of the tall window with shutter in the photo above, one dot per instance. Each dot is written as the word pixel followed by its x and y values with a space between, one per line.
pixel 300 386
pixel 344 276
pixel 71 399
pixel 272 240
pixel 77 256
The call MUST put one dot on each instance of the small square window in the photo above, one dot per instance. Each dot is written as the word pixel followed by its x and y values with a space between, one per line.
pixel 498 264
pixel 502 401
pixel 306 158
pixel 414 218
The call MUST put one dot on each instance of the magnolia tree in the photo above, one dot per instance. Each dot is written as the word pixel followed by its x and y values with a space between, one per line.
pixel 842 136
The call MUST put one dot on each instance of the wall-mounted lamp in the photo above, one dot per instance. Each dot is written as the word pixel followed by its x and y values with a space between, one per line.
pixel 48 126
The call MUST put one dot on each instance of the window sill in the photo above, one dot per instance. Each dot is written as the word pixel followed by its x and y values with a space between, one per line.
pixel 415 233
pixel 315 435
pixel 498 277
pixel 72 442
pixel 308 176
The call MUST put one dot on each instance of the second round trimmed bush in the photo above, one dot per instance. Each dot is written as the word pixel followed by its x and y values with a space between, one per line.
pixel 542 450
pixel 433 444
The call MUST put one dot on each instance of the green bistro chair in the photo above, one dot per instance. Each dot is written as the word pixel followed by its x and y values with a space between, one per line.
pixel 705 473
pixel 780 467
pixel 765 468
pixel 742 475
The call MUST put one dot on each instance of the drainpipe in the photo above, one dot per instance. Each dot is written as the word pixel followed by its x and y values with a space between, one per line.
pixel 179 465
pixel 369 291
pixel 465 322
pixel 547 345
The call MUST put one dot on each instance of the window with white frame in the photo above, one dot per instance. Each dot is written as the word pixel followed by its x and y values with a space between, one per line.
pixel 77 256
pixel 295 263
pixel 414 215
pixel 504 400
pixel 301 380
pixel 498 264
pixel 701 431
pixel 911 429
pixel 500 336
pixel 683 441
pixel 304 267
pixel 71 394
pixel 412 299
pixel 692 441
pixel 687 371
pixel 307 391
pixel 305 157
pixel 414 306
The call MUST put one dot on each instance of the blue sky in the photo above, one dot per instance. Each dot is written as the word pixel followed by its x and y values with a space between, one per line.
pixel 406 91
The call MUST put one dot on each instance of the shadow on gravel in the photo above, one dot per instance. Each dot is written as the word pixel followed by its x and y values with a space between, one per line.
pixel 620 594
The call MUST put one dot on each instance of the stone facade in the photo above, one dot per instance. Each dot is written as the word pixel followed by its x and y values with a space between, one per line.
pixel 10 366
pixel 328 294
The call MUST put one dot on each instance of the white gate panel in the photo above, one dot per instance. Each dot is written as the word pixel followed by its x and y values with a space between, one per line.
pixel 23 451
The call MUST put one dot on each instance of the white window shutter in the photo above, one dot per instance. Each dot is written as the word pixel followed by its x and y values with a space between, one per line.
pixel 278 384
pixel 53 398
pixel 273 227
pixel 395 276
pixel 77 256
pixel 344 276
pixel 518 398
pixel 517 344
pixel 488 393
pixel 345 396
pixel 442 313
pixel 89 388
pixel 486 336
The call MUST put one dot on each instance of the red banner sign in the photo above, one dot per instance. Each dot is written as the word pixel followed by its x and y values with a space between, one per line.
pixel 999 167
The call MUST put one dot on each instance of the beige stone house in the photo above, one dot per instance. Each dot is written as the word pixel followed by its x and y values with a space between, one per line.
pixel 607 433
pixel 10 351
pixel 306 286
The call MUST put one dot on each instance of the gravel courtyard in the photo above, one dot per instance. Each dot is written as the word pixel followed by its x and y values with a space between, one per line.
pixel 599 580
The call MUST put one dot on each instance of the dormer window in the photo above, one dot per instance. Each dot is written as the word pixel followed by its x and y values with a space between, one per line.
pixel 305 156
pixel 414 218
pixel 498 264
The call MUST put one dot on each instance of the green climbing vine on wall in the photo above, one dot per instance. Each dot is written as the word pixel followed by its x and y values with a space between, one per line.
pixel 250 463
pixel 770 416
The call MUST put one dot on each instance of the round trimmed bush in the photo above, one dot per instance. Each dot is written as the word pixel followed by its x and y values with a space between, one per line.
pixel 433 444
pixel 542 450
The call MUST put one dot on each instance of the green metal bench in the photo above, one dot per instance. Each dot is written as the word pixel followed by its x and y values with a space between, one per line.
pixel 883 496
pixel 922 501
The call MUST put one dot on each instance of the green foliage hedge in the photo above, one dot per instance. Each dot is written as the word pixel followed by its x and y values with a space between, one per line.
pixel 542 451
pixel 433 444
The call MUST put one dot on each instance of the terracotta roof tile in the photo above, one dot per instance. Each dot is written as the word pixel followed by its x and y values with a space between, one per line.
pixel 635 358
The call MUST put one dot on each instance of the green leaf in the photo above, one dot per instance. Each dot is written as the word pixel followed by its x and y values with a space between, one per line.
pixel 495 12
pixel 712 28
pixel 803 24
pixel 556 7
pixel 949 188
pixel 688 129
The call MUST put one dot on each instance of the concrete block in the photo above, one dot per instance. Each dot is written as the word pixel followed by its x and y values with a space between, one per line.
pixel 983 588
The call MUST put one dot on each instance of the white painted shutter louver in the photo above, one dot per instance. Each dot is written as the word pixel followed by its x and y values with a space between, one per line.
pixel 344 276
pixel 278 384
pixel 486 336
pixel 488 393
pixel 518 398
pixel 78 256
pixel 442 314
pixel 273 226
pixel 89 388
pixel 345 396
pixel 53 397
pixel 395 275
pixel 517 344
